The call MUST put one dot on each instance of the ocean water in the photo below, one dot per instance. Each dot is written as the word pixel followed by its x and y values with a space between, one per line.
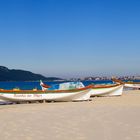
pixel 31 85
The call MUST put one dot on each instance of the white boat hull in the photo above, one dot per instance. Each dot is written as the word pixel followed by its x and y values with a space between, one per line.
pixel 3 102
pixel 132 85
pixel 49 96
pixel 108 91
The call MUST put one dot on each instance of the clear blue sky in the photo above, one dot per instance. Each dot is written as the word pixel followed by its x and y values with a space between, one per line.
pixel 71 38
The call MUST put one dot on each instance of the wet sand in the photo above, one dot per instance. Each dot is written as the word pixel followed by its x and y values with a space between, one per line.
pixel 103 118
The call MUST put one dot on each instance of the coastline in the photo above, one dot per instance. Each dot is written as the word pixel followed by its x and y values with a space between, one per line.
pixel 103 118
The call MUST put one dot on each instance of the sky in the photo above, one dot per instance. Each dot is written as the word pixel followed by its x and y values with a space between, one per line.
pixel 71 38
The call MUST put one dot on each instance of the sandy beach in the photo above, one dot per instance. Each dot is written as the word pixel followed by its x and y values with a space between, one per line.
pixel 103 118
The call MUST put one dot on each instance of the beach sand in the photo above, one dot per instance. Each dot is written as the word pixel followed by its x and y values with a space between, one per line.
pixel 103 118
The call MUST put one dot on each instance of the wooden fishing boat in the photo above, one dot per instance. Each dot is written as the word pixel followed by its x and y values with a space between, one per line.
pixel 129 84
pixel 115 89
pixel 49 95
pixel 135 85
pixel 97 90
pixel 107 90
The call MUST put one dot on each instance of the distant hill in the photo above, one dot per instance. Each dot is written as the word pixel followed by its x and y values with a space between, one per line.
pixel 22 75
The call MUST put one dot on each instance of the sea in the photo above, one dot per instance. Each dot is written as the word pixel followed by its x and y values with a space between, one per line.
pixel 36 84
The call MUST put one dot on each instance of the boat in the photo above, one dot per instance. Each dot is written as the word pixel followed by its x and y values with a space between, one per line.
pixel 134 85
pixel 129 84
pixel 18 95
pixel 97 90
pixel 107 90
pixel 115 89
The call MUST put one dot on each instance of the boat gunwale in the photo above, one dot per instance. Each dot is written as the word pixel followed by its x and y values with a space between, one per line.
pixel 123 82
pixel 44 92
pixel 132 82
pixel 105 86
